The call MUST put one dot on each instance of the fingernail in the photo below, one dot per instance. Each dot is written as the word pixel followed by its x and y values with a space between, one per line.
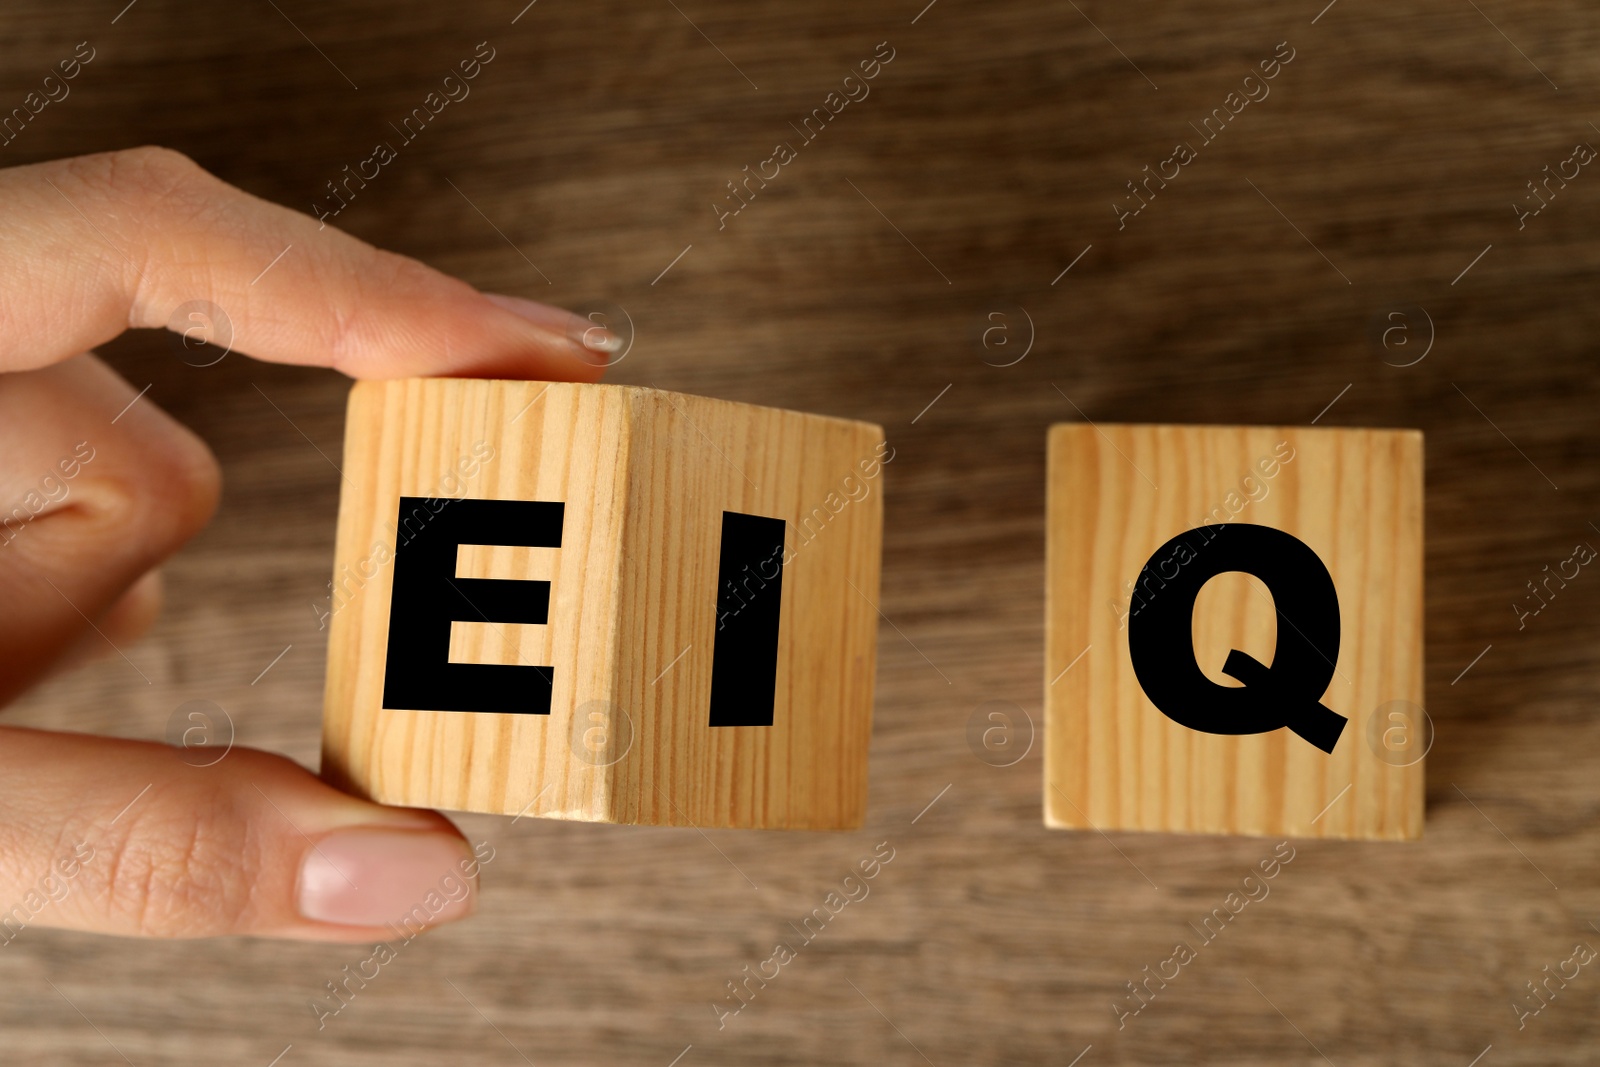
pixel 587 338
pixel 370 877
pixel 599 339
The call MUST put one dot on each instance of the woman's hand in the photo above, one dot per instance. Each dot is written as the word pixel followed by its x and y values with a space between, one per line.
pixel 96 489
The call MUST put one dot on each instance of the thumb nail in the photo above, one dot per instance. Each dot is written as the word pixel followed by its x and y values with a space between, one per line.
pixel 366 876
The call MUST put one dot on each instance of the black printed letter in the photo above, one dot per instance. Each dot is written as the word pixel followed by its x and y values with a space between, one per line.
pixel 744 661
pixel 1161 639
pixel 428 597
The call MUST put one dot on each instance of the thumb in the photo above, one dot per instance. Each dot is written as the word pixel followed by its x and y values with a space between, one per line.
pixel 125 837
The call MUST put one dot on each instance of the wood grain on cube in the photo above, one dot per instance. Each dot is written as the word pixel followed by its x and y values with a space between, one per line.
pixel 646 477
pixel 1113 760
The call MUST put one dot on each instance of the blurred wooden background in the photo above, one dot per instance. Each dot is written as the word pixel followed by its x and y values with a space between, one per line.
pixel 988 156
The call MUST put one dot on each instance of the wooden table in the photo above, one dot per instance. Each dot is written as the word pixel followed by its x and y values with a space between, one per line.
pixel 978 179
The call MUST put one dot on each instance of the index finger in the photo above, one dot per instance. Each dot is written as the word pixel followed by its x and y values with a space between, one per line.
pixel 97 244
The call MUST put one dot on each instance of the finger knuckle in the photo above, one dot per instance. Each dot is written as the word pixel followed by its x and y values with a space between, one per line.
pixel 179 873
pixel 149 171
pixel 164 487
pixel 185 483
pixel 355 336
pixel 153 170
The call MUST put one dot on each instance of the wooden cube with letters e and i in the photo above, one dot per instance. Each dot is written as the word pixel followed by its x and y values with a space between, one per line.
pixel 604 603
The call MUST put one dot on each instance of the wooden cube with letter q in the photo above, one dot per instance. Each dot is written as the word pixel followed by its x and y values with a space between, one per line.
pixel 1234 631
pixel 604 603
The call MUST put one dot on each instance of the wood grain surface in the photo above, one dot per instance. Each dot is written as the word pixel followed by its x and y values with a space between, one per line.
pixel 875 278
pixel 1120 496
pixel 644 477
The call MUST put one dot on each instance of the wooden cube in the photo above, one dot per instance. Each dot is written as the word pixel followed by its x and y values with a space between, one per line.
pixel 1155 638
pixel 604 603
